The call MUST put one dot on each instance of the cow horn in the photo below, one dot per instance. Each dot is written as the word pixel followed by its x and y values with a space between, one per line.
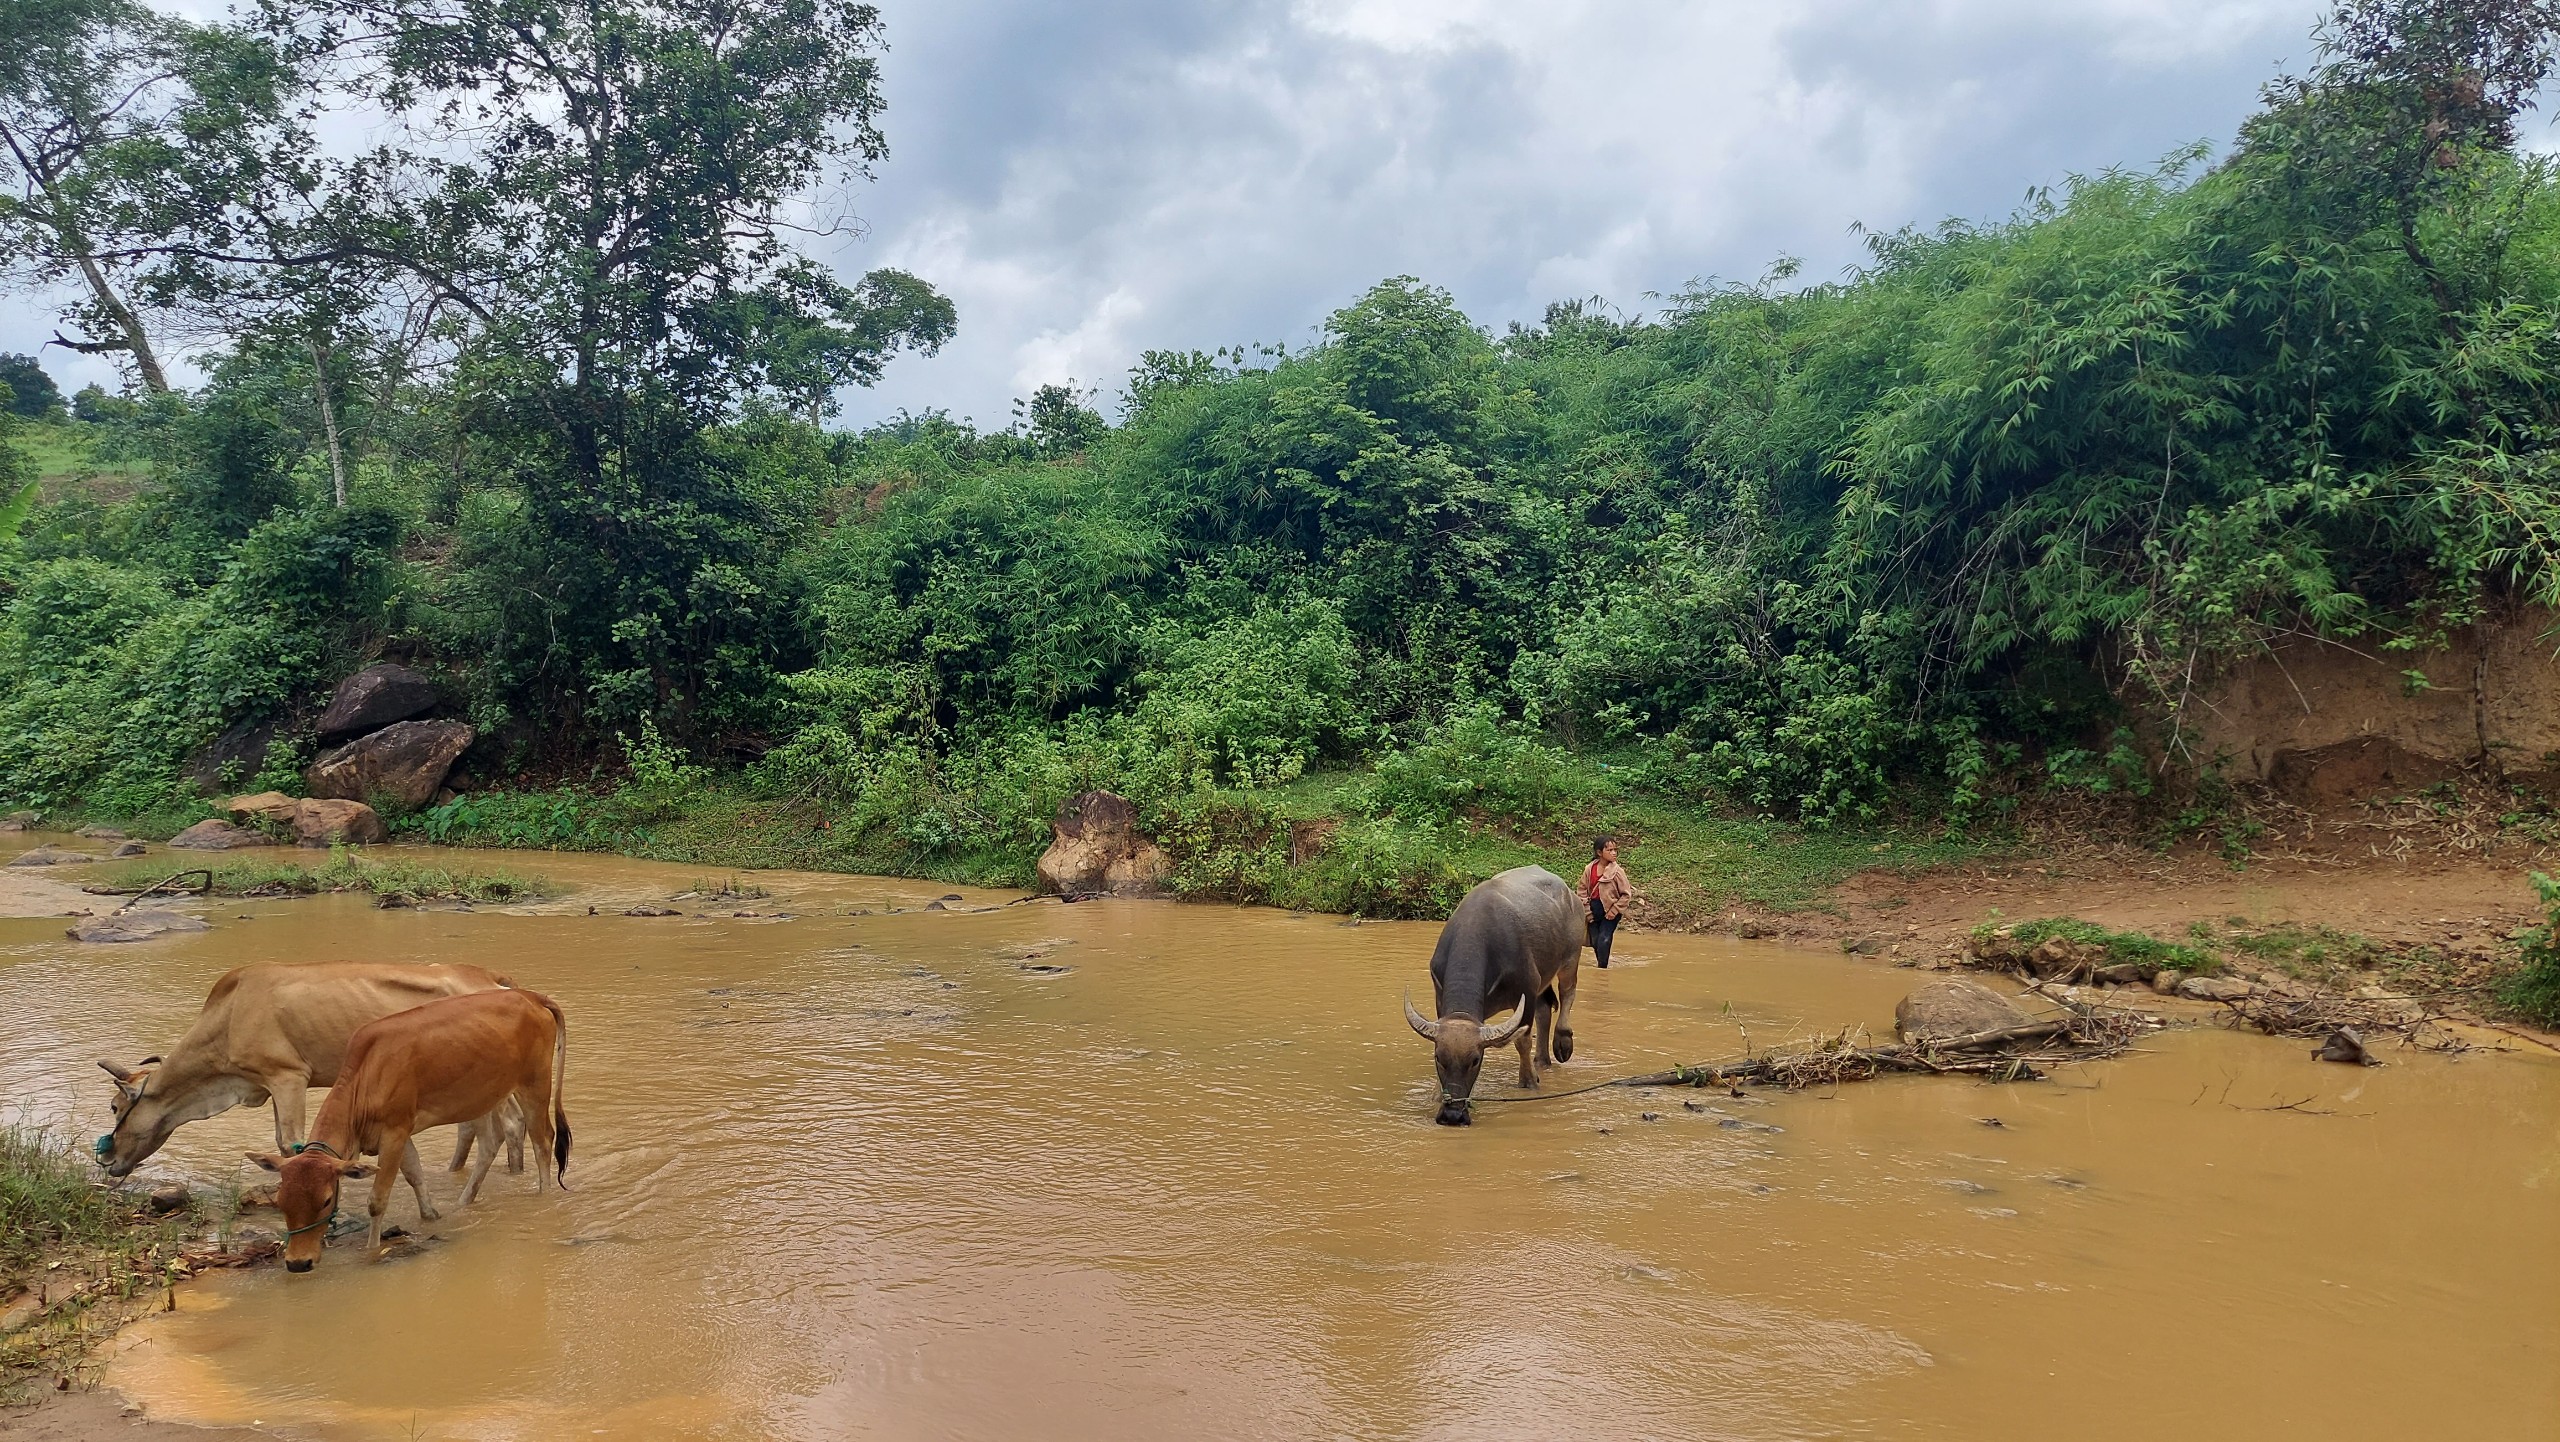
pixel 1497 1035
pixel 113 1070
pixel 1429 1029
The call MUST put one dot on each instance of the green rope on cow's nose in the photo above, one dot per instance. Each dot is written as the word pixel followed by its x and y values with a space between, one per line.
pixel 298 1148
pixel 307 1226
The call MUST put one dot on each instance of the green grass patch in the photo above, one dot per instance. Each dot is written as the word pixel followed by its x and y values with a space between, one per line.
pixel 2120 947
pixel 348 871
pixel 66 453
pixel 2304 951
pixel 49 1200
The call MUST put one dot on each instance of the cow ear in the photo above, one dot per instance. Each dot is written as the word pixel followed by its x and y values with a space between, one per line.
pixel 271 1163
pixel 356 1170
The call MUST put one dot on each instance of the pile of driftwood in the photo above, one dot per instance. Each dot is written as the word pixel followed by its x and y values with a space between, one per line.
pixel 2010 1053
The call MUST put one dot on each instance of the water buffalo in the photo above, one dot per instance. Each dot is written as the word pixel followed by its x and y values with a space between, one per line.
pixel 450 1061
pixel 1514 943
pixel 269 1031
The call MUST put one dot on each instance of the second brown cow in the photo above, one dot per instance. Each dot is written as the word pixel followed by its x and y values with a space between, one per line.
pixel 447 1062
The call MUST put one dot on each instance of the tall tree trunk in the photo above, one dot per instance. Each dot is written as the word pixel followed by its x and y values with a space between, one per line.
pixel 134 342
pixel 329 421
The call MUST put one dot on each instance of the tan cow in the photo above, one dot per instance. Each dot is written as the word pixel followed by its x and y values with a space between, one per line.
pixel 268 1032
pixel 445 1062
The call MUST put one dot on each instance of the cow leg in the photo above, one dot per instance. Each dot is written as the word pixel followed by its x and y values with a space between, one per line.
pixel 416 1171
pixel 1521 1042
pixel 395 1143
pixel 486 1128
pixel 537 1126
pixel 462 1136
pixel 289 1091
pixel 1568 982
pixel 511 1122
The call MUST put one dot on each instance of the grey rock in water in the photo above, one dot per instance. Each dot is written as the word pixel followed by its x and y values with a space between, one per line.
pixel 373 698
pixel 130 848
pixel 171 1198
pixel 2215 988
pixel 215 836
pixel 101 833
pixel 1954 1007
pixel 140 924
pixel 403 764
pixel 52 856
pixel 2344 1046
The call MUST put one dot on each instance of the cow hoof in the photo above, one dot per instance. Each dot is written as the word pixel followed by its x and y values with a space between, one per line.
pixel 1528 1082
pixel 1564 1046
pixel 429 1214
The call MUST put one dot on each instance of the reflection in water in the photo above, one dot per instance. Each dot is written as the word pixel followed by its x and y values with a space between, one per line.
pixel 1131 1170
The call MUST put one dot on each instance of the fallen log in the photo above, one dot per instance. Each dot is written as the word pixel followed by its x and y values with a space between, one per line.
pixel 2087 1034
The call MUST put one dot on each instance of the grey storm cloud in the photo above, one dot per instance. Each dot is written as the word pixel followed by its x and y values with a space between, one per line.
pixel 1091 181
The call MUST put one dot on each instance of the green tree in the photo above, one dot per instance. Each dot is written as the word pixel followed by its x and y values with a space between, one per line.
pixel 31 393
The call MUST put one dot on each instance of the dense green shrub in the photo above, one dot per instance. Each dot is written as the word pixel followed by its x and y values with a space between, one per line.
pixel 2534 989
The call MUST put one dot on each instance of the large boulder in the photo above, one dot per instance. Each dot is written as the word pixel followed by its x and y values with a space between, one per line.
pixel 1095 846
pixel 272 806
pixel 332 823
pixel 374 698
pixel 215 836
pixel 239 751
pixel 400 765
pixel 1954 1008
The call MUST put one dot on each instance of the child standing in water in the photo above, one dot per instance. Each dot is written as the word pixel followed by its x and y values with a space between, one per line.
pixel 1606 890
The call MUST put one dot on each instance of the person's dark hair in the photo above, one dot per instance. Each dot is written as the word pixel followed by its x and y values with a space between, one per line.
pixel 1600 844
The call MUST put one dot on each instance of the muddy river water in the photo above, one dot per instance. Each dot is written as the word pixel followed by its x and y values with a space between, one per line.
pixel 903 1176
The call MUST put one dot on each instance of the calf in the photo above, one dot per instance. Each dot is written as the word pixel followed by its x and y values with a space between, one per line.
pixel 447 1062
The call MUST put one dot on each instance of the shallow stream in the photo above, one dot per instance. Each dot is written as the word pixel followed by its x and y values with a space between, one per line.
pixel 903 1176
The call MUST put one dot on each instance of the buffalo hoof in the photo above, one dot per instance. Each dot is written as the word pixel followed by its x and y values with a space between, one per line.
pixel 1564 1046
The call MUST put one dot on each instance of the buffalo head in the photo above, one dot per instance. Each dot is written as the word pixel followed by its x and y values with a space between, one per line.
pixel 1458 1045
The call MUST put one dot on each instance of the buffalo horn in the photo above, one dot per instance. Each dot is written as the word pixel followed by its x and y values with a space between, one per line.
pixel 1429 1029
pixel 1496 1035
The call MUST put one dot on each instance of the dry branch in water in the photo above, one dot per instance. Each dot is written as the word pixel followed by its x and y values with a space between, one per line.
pixel 2013 1053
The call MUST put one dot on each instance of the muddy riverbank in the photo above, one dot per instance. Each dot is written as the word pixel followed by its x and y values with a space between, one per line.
pixel 1134 1169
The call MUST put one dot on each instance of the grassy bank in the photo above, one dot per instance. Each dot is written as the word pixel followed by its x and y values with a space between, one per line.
pixel 71 1251
pixel 1324 843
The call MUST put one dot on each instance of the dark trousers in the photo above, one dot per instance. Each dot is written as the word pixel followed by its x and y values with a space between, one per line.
pixel 1604 930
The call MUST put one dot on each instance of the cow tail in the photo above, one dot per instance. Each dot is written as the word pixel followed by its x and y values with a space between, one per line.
pixel 559 1085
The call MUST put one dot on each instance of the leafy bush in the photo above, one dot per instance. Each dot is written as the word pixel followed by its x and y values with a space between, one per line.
pixel 2534 988
pixel 553 821
pixel 1254 700
pixel 1476 763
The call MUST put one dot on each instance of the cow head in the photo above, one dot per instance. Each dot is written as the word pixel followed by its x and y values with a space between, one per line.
pixel 307 1194
pixel 1458 1046
pixel 143 1121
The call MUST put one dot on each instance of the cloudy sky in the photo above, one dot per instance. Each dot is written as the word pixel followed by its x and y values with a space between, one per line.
pixel 1093 180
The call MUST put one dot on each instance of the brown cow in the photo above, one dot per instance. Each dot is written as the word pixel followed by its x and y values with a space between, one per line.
pixel 445 1062
pixel 269 1031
